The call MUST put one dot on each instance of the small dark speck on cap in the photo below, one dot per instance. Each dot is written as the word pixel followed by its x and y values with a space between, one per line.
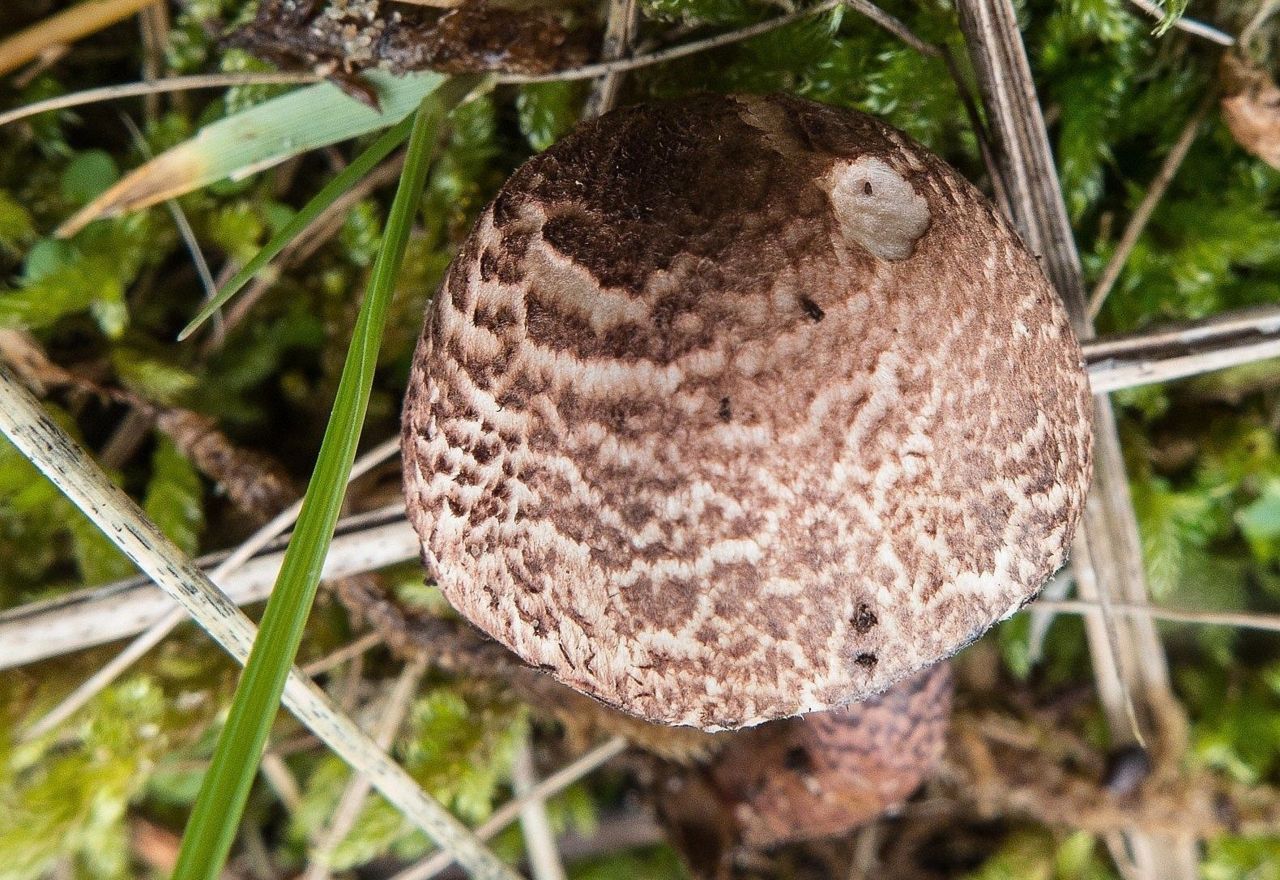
pixel 725 411
pixel 864 618
pixel 812 309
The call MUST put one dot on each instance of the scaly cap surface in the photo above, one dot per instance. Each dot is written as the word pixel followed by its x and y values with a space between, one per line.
pixel 734 408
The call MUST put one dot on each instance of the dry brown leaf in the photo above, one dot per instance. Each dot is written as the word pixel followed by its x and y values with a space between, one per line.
pixel 1251 107
pixel 25 357
pixel 450 36
pixel 65 27
pixel 254 483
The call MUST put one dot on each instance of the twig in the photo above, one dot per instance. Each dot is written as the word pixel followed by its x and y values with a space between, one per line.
pixel 126 437
pixel 1265 10
pixel 156 633
pixel 109 672
pixel 197 256
pixel 277 774
pixel 1017 127
pixel 1189 25
pixel 1058 587
pixel 366 642
pixel 1142 214
pixel 620 27
pixel 55 454
pixel 998 186
pixel 1039 212
pixel 325 225
pixel 48 58
pixel 1118 847
pixel 626 829
pixel 588 71
pixel 168 84
pixel 1053 781
pixel 1151 344
pixel 539 840
pixel 510 811
pixel 865 862
pixel 153 23
pixel 1116 375
pixel 1107 555
pixel 91 617
pixel 345 689
pixel 345 814
pixel 329 221
pixel 682 50
pixel 1239 619
pixel 179 220
pixel 895 27
pixel 154 30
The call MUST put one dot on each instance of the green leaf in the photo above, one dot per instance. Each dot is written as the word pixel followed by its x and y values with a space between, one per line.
pixel 1260 522
pixel 548 111
pixel 40 520
pixel 68 289
pixel 361 233
pixel 1013 638
pixel 1230 857
pixel 1236 720
pixel 152 378
pixel 1173 525
pixel 212 826
pixel 90 273
pixel 88 176
pixel 236 229
pixel 48 255
pixel 724 12
pixel 258 138
pixel 1173 10
pixel 462 752
pixel 650 863
pixel 17 228
pixel 1024 855
pixel 343 181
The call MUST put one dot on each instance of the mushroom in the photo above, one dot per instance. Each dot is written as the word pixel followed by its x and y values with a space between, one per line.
pixel 735 408
pixel 806 778
pixel 829 772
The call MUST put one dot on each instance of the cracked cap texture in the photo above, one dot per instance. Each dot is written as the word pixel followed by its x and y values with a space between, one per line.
pixel 735 408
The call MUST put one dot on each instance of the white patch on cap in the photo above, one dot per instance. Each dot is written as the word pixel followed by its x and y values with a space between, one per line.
pixel 878 208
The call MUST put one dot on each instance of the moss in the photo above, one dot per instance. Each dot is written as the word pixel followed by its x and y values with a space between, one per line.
pixel 1202 456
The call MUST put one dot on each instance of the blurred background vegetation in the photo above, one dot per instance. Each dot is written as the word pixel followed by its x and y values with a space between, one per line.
pixel 93 798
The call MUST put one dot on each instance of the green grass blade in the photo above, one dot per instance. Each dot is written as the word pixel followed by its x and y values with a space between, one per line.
pixel 258 138
pixel 347 178
pixel 212 827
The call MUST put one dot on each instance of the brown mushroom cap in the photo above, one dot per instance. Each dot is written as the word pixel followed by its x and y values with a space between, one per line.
pixel 735 408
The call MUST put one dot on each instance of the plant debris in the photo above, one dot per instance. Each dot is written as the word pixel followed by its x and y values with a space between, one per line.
pixel 341 38
pixel 1251 107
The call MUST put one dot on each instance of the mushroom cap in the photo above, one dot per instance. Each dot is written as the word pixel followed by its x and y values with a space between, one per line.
pixel 830 772
pixel 734 408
